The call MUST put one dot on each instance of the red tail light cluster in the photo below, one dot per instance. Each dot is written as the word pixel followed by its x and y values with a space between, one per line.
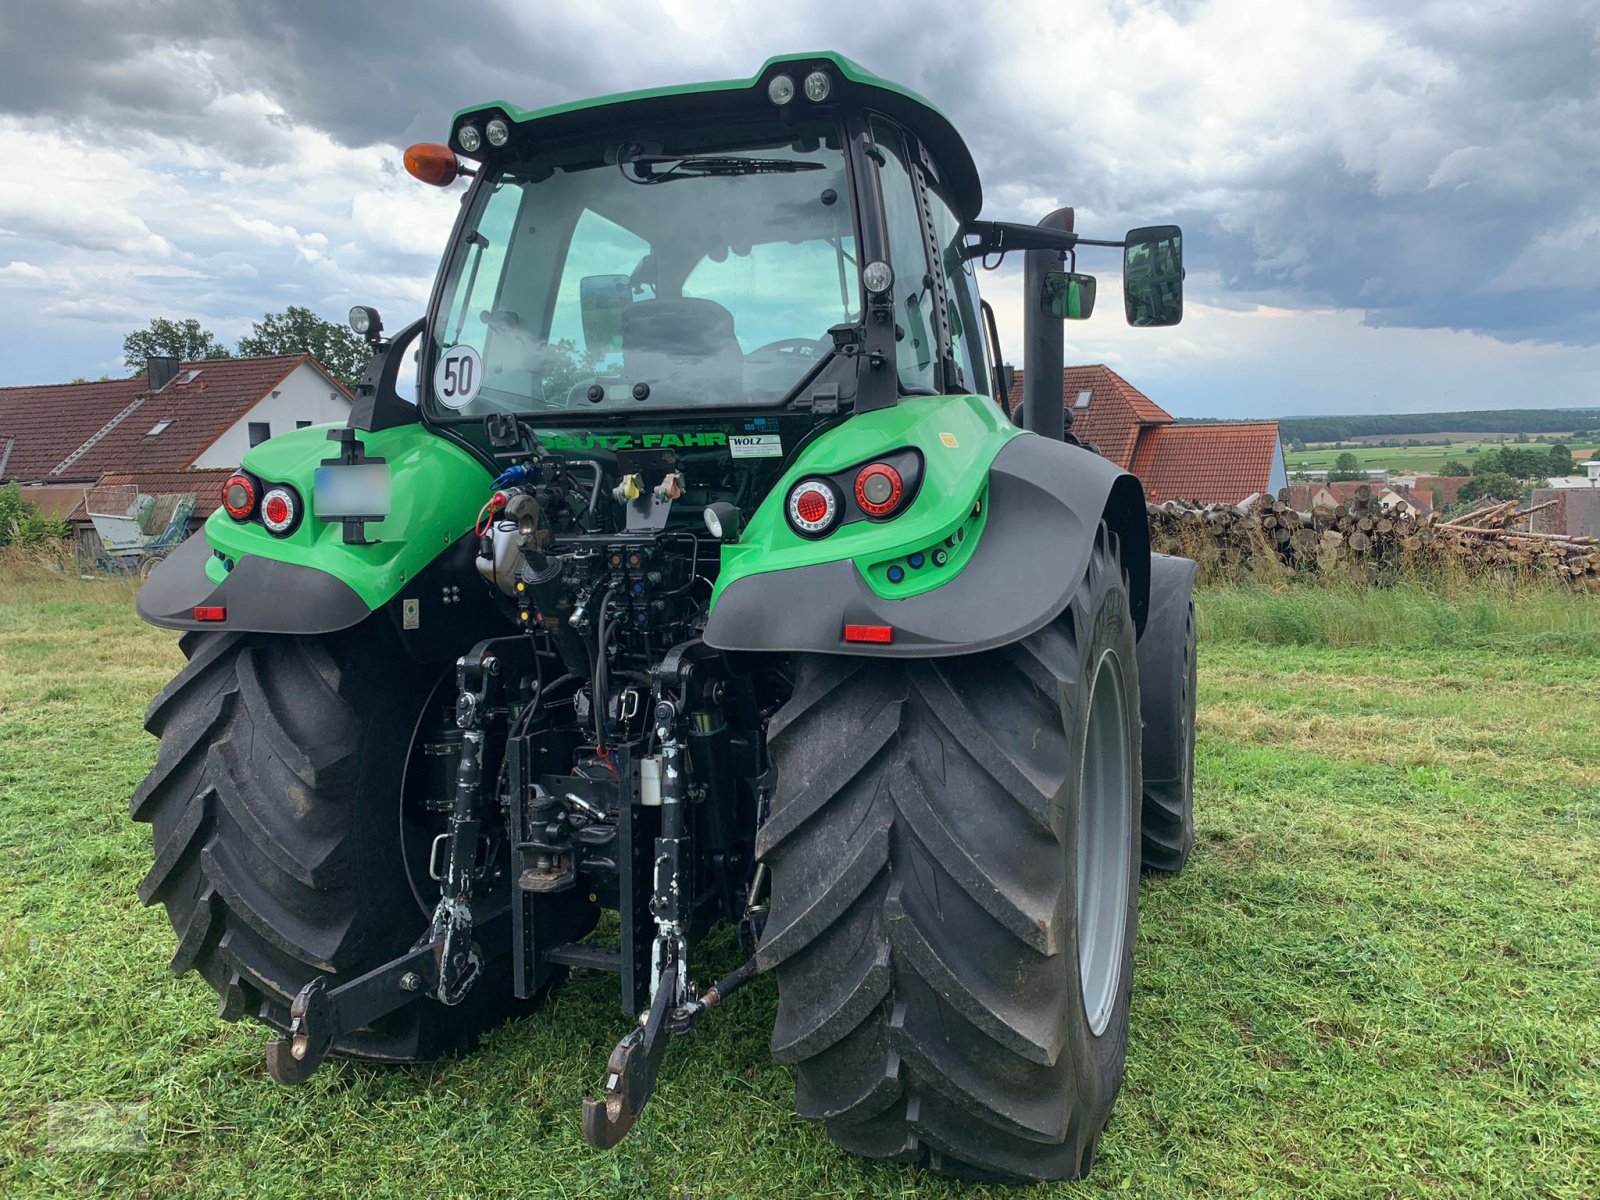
pixel 813 506
pixel 278 508
pixel 239 497
pixel 879 489
pixel 875 491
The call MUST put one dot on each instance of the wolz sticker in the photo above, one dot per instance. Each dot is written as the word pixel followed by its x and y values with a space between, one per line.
pixel 755 445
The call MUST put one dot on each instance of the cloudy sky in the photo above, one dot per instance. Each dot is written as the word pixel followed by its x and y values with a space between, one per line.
pixel 1389 206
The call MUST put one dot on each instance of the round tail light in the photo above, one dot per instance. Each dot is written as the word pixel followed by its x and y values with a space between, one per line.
pixel 879 489
pixel 813 507
pixel 279 510
pixel 239 497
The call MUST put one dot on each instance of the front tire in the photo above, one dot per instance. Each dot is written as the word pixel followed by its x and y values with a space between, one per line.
pixel 275 811
pixel 954 847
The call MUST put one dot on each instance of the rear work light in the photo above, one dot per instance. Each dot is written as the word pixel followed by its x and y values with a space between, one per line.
pixel 813 507
pixel 239 497
pixel 279 510
pixel 879 489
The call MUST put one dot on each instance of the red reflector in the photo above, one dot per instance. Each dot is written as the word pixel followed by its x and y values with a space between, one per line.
pixel 869 633
pixel 210 612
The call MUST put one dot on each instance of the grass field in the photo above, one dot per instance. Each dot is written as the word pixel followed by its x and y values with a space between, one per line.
pixel 1379 977
pixel 1419 460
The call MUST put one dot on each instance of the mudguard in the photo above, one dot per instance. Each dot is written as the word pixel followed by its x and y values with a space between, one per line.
pixel 1038 506
pixel 313 580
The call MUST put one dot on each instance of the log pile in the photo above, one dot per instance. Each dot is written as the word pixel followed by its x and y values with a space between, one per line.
pixel 1266 537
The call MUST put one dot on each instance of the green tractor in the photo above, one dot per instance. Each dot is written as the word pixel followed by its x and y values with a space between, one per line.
pixel 685 563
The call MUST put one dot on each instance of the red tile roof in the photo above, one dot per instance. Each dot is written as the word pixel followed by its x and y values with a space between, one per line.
pixel 51 424
pixel 204 485
pixel 1116 411
pixel 1446 487
pixel 1214 463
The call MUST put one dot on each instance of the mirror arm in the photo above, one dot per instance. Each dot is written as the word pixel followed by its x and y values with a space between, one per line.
pixel 1001 237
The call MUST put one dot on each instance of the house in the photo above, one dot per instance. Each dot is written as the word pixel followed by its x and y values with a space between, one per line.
pixel 1214 462
pixel 1444 489
pixel 1576 509
pixel 59 441
pixel 1304 497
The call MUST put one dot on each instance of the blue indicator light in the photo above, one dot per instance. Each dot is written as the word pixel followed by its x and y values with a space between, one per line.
pixel 896 574
pixel 916 560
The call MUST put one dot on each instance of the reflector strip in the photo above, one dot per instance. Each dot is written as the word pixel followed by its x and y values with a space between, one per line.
pixel 869 633
pixel 210 612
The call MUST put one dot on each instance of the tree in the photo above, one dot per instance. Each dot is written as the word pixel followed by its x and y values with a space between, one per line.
pixel 21 523
pixel 1454 466
pixel 1561 460
pixel 185 340
pixel 1346 467
pixel 1496 484
pixel 298 330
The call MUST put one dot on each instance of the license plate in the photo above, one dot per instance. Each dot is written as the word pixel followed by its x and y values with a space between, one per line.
pixel 351 490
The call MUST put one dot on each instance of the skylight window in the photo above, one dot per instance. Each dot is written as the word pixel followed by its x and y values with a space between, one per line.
pixel 1083 398
pixel 160 427
pixel 188 377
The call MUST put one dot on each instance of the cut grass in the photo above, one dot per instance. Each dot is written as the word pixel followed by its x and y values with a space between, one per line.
pixel 1379 976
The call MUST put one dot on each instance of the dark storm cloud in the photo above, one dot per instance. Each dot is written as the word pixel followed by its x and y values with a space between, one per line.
pixel 1450 183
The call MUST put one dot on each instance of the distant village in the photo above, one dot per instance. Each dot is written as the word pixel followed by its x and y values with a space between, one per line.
pixel 129 462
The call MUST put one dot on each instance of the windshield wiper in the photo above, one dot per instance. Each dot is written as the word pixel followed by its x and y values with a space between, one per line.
pixel 700 166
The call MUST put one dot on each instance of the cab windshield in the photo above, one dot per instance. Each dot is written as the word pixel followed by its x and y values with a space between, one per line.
pixel 652 275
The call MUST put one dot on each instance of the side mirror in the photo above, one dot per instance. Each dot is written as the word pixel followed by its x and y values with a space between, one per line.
pixel 1152 275
pixel 601 300
pixel 1067 295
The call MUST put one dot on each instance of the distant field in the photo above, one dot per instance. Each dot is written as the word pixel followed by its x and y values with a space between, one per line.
pixel 1377 978
pixel 1419 459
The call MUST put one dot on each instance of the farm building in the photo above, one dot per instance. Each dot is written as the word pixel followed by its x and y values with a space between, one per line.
pixel 1576 507
pixel 176 430
pixel 1215 462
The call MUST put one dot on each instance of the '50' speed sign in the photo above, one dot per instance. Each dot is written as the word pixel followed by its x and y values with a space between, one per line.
pixel 458 376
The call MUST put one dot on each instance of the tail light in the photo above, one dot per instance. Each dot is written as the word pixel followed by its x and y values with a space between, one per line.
pixel 879 489
pixel 813 507
pixel 239 497
pixel 280 509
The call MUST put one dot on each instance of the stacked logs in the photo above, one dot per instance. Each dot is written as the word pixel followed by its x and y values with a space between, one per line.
pixel 1267 537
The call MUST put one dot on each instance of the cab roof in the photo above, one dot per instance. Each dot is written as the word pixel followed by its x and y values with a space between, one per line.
pixel 854 86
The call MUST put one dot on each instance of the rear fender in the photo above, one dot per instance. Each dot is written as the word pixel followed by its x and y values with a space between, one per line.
pixel 311 580
pixel 1030 508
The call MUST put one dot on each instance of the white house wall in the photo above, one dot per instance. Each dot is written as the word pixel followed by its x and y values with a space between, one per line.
pixel 305 395
pixel 1279 478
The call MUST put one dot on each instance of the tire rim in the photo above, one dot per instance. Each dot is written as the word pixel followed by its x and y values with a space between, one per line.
pixel 1105 836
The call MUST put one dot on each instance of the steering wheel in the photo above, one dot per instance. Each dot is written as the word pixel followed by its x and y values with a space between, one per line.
pixel 795 347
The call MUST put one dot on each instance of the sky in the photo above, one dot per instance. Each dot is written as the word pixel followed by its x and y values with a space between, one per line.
pixel 1387 207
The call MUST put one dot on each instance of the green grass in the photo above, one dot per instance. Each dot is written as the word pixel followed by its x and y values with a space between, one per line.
pixel 1379 977
pixel 1421 460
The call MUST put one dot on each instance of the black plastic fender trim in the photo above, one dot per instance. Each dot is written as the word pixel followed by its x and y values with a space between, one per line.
pixel 1046 502
pixel 260 595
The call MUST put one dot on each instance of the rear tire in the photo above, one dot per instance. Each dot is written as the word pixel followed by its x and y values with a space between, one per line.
pixel 1167 676
pixel 954 856
pixel 275 810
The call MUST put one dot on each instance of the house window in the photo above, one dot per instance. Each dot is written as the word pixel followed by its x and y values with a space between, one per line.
pixel 260 431
pixel 1083 398
pixel 302 424
pixel 159 428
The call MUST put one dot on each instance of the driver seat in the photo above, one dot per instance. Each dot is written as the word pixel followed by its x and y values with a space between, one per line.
pixel 685 349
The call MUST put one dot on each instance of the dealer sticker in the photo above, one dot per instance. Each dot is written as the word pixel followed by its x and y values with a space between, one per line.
pixel 755 445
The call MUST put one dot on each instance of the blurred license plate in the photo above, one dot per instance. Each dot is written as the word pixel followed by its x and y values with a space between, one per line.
pixel 358 490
